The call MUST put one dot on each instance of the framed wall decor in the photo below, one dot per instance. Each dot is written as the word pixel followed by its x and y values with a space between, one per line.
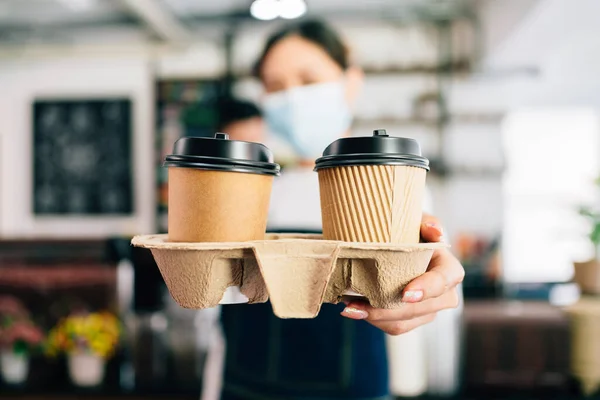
pixel 82 157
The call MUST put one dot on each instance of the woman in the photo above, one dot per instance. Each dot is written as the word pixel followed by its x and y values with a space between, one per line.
pixel 310 87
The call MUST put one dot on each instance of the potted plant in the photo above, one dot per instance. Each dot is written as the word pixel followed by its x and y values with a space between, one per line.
pixel 88 340
pixel 19 338
pixel 587 274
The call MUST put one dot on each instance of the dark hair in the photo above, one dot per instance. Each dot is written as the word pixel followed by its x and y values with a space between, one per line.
pixel 232 110
pixel 314 31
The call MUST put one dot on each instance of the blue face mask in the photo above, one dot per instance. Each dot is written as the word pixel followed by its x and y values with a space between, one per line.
pixel 309 117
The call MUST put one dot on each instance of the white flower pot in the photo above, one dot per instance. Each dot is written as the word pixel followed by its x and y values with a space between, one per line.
pixel 14 367
pixel 86 370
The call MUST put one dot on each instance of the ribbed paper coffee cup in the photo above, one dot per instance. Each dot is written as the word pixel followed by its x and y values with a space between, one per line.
pixel 372 189
pixel 219 190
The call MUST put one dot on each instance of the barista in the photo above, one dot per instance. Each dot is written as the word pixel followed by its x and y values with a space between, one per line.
pixel 310 87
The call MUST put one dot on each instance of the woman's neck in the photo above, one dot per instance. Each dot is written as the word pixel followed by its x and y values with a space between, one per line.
pixel 306 163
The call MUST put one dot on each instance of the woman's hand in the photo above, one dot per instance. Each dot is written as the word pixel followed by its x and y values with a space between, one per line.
pixel 422 298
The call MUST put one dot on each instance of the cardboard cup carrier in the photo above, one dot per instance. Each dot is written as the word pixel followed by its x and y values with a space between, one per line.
pixel 371 218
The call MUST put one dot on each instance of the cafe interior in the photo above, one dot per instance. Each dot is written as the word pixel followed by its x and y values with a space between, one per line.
pixel 502 96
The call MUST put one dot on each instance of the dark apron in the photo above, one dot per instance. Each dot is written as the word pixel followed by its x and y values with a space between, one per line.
pixel 329 357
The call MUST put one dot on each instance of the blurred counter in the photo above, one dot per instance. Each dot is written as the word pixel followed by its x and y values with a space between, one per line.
pixel 93 394
pixel 517 346
pixel 94 397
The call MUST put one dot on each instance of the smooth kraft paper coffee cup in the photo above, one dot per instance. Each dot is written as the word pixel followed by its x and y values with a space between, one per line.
pixel 219 189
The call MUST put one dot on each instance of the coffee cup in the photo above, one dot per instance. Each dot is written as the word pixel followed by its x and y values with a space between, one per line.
pixel 372 189
pixel 218 189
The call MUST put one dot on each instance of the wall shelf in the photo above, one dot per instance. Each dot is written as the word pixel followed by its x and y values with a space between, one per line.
pixel 455 67
pixel 443 170
pixel 475 119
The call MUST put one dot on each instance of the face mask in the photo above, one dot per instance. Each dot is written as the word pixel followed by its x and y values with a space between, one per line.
pixel 309 117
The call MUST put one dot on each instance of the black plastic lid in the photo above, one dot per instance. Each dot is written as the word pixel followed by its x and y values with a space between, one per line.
pixel 379 149
pixel 221 154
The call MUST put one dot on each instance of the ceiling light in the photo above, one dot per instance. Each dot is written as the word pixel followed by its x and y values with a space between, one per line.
pixel 79 5
pixel 270 9
pixel 265 9
pixel 292 9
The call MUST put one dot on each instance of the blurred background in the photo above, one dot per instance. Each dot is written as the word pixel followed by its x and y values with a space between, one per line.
pixel 503 97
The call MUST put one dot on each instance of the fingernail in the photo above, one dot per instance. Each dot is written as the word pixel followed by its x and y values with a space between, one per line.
pixel 436 227
pixel 355 313
pixel 412 296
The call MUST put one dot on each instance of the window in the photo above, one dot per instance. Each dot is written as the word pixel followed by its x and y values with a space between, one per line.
pixel 551 163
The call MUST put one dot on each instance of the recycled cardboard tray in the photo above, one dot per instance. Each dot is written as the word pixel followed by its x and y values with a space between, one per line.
pixel 297 273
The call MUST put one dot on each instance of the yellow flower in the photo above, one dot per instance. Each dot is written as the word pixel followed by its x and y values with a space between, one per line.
pixel 99 348
pixel 99 331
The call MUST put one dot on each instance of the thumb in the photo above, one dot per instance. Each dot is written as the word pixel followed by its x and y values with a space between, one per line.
pixel 431 229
